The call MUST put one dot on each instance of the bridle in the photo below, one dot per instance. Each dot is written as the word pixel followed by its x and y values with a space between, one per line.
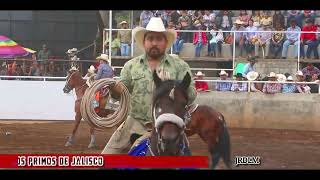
pixel 67 82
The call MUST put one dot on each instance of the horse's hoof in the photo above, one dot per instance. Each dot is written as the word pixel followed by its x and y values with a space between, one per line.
pixel 91 146
pixel 68 143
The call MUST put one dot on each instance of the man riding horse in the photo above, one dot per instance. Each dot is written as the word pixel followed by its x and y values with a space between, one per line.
pixel 137 76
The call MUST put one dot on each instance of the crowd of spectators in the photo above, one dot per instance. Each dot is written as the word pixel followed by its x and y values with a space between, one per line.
pixel 274 44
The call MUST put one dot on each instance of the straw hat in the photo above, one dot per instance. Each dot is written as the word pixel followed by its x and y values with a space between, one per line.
pixel 252 75
pixel 223 73
pixel 72 50
pixel 289 78
pixel 256 24
pixel 299 73
pixel 91 69
pixel 123 22
pixel 265 23
pixel 155 25
pixel 272 75
pixel 199 73
pixel 281 77
pixel 103 57
pixel 238 21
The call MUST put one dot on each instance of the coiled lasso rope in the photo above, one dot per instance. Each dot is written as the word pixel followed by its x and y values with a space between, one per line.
pixel 87 110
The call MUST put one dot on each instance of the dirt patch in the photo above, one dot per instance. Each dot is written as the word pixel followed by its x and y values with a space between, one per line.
pixel 278 149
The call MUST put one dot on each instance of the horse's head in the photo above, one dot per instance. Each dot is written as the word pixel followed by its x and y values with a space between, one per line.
pixel 169 107
pixel 72 80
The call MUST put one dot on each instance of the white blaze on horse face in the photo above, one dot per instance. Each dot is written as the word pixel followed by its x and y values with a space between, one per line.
pixel 171 95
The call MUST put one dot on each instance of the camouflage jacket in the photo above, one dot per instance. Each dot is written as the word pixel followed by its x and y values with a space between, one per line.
pixel 137 77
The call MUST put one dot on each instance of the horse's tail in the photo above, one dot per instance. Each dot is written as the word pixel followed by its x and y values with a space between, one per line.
pixel 222 148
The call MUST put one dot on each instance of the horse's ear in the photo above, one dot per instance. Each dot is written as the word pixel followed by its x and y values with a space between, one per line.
pixel 156 79
pixel 186 81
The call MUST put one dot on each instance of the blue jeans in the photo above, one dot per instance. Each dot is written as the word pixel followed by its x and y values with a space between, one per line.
pixel 177 46
pixel 198 48
pixel 125 49
pixel 286 46
pixel 312 46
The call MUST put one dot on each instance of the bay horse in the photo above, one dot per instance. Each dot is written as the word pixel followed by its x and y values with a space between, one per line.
pixel 75 81
pixel 170 96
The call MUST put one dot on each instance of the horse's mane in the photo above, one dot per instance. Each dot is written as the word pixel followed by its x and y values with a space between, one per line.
pixel 166 87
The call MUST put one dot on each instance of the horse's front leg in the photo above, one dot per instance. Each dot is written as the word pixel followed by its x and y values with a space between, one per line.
pixel 75 128
pixel 92 143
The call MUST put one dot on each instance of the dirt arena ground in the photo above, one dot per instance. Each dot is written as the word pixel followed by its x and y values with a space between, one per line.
pixel 278 149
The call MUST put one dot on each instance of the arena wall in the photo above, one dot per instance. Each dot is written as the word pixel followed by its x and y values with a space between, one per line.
pixel 45 100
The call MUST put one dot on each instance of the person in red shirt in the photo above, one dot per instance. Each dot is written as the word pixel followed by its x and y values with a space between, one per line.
pixel 309 39
pixel 201 85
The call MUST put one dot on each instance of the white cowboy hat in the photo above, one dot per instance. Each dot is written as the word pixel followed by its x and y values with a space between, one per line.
pixel 272 74
pixel 72 50
pixel 265 23
pixel 256 24
pixel 289 78
pixel 73 68
pixel 223 73
pixel 281 77
pixel 199 73
pixel 155 25
pixel 238 21
pixel 299 73
pixel 167 117
pixel 91 69
pixel 252 75
pixel 104 57
pixel 123 22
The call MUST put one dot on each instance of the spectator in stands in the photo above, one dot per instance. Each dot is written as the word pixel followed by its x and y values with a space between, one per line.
pixel 136 23
pixel 186 24
pixel 239 36
pixel 239 86
pixel 181 38
pixel 254 76
pixel 277 40
pixel 309 39
pixel 244 17
pixel 197 16
pixel 199 38
pixel 3 70
pixel 314 88
pixel 266 18
pixel 224 21
pixel 104 70
pixel 272 88
pixel 115 45
pixel 215 40
pixel 145 17
pixel 256 17
pixel 293 15
pixel 173 15
pixel 44 55
pixel 51 68
pixel 289 87
pixel 34 69
pixel 249 66
pixel 19 70
pixel 305 14
pixel 310 70
pixel 292 36
pixel 201 85
pixel 171 25
pixel 278 18
pixel 250 37
pixel 125 39
pixel 223 86
pixel 208 18
pixel 264 39
pixel 302 88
